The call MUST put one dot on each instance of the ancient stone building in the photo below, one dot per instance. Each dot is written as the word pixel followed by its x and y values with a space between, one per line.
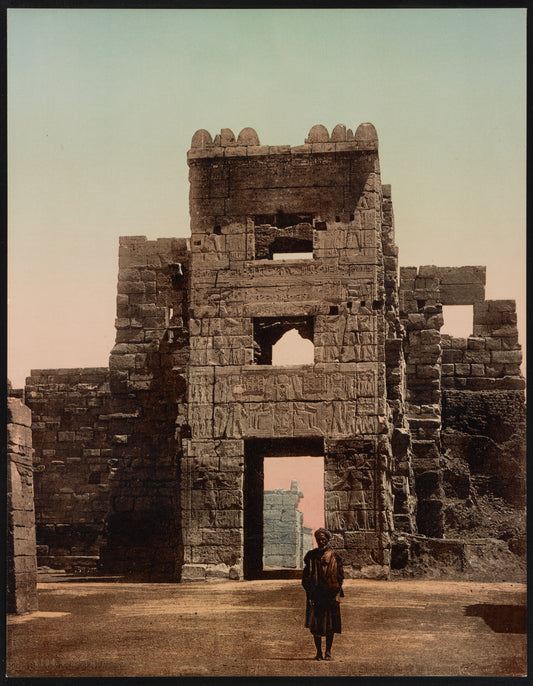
pixel 414 427
pixel 285 538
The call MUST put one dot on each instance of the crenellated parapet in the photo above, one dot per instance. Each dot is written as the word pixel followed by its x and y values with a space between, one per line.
pixel 247 143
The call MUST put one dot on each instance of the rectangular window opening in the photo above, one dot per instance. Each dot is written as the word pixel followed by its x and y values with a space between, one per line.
pixel 283 236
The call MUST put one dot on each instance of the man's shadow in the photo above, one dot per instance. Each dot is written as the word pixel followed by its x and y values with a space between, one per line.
pixel 503 619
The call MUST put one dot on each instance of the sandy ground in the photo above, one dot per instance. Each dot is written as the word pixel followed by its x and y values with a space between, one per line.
pixel 255 628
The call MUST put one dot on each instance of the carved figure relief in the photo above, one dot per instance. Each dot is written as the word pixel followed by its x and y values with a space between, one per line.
pixel 212 243
pixel 366 385
pixel 200 389
pixel 230 421
pixel 262 419
pixel 357 480
pixel 200 420
pixel 366 424
pixel 340 419
pixel 209 479
pixel 284 388
pixel 283 419
pixel 306 417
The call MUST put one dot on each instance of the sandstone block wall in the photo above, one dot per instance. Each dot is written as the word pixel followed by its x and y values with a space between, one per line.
pixel 21 547
pixel 72 463
pixel 147 378
pixel 284 535
pixel 248 202
pixel 466 408
pixel 402 498
pixel 484 402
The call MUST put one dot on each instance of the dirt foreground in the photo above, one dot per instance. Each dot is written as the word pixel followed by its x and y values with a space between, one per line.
pixel 255 628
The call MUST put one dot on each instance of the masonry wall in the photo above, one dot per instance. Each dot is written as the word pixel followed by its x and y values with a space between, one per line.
pixel 21 548
pixel 402 498
pixel 326 194
pixel 72 459
pixel 283 534
pixel 466 408
pixel 484 403
pixel 148 382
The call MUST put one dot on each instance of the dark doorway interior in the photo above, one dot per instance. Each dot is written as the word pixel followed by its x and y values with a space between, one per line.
pixel 255 452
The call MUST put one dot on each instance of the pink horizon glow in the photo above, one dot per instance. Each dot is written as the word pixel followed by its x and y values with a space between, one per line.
pixel 309 472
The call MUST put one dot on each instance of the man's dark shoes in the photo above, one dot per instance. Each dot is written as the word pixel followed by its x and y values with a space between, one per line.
pixel 318 656
pixel 328 655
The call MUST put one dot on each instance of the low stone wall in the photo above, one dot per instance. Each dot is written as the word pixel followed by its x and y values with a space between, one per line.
pixel 21 550
pixel 72 462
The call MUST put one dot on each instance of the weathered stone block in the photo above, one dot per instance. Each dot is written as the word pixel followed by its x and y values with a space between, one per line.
pixel 506 356
pixel 18 413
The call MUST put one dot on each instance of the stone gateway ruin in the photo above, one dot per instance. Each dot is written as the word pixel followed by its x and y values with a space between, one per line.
pixel 155 465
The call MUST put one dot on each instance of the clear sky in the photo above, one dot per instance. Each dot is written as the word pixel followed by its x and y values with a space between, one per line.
pixel 102 105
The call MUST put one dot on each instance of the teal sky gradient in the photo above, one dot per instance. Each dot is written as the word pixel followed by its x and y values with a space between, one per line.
pixel 102 106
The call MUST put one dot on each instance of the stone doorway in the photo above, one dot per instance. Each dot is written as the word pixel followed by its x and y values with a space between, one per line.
pixel 256 450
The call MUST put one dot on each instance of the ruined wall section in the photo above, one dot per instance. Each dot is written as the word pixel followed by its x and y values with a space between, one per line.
pixel 484 427
pixel 283 528
pixel 330 189
pixel 147 380
pixel 476 440
pixel 403 480
pixel 21 589
pixel 72 463
pixel 423 292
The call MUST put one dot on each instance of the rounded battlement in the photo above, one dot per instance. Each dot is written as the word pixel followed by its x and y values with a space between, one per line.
pixel 366 133
pixel 247 143
pixel 201 139
pixel 248 136
pixel 318 134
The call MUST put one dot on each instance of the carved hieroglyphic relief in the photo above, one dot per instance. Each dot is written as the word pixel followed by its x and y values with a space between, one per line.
pixel 358 480
pixel 208 480
pixel 317 382
pixel 366 424
pixel 274 273
pixel 272 419
pixel 201 420
pixel 201 385
pixel 366 384
pixel 230 420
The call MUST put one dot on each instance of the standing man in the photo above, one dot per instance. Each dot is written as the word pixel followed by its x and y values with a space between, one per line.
pixel 322 579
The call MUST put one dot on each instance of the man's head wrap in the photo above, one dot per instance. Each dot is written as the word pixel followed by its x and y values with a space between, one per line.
pixel 322 531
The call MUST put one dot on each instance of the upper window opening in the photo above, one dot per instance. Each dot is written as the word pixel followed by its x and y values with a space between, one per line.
pixel 458 320
pixel 297 349
pixel 283 236
pixel 292 349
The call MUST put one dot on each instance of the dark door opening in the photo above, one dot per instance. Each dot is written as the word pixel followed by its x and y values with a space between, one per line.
pixel 256 453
